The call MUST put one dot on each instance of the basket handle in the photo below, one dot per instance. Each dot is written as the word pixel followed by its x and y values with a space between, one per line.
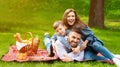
pixel 25 36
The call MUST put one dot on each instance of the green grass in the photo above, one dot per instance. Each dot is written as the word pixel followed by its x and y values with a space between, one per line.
pixel 55 64
pixel 110 36
pixel 39 24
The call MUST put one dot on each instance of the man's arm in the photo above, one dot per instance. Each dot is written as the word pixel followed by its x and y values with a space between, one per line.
pixel 61 52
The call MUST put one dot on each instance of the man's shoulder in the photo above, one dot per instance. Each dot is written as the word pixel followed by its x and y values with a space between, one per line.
pixel 57 41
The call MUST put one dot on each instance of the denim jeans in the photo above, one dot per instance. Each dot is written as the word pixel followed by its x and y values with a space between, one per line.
pixel 47 42
pixel 90 55
pixel 104 51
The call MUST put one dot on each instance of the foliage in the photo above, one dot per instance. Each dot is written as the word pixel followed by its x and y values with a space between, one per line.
pixel 112 9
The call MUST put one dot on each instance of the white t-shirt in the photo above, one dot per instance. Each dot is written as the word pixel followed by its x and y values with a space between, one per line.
pixel 61 52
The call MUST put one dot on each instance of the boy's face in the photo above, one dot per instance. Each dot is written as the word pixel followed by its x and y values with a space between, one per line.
pixel 60 30
pixel 73 38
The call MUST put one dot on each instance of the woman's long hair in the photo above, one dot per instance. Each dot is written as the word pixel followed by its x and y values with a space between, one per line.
pixel 77 19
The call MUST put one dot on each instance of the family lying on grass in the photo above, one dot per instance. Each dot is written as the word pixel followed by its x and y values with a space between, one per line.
pixel 75 41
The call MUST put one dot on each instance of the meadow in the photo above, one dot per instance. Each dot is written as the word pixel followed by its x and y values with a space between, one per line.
pixel 36 17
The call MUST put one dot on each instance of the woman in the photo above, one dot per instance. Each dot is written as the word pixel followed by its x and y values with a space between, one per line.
pixel 70 19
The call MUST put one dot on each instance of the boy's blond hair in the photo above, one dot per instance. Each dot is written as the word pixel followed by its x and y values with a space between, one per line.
pixel 57 23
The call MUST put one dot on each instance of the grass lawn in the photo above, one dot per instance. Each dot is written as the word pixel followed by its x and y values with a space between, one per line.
pixel 110 37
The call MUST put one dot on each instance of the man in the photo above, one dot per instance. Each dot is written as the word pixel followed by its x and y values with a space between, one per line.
pixel 74 37
pixel 66 55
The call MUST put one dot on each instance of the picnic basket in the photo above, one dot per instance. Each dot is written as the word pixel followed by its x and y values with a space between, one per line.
pixel 29 43
pixel 30 48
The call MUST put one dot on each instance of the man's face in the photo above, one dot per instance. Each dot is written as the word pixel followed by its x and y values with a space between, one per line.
pixel 60 30
pixel 73 38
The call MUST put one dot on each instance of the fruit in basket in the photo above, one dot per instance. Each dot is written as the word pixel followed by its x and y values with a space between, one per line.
pixel 21 56
pixel 27 41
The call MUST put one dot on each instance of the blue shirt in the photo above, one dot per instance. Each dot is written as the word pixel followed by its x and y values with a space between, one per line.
pixel 64 41
pixel 87 34
pixel 54 37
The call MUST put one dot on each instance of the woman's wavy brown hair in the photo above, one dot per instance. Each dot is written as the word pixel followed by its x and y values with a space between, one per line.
pixel 77 19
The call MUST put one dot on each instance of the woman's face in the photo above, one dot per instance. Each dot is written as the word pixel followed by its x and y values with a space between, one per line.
pixel 71 18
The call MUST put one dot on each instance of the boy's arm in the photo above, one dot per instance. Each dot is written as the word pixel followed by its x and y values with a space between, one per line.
pixel 64 41
pixel 54 37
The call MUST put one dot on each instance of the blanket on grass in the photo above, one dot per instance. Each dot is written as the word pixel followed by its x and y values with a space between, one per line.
pixel 40 56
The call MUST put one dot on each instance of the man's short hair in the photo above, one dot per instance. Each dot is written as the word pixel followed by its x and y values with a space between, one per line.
pixel 76 28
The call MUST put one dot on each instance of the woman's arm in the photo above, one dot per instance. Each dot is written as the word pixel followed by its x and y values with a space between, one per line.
pixel 84 45
pixel 87 36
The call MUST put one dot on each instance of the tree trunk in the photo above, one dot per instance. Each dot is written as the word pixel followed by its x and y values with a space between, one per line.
pixel 96 15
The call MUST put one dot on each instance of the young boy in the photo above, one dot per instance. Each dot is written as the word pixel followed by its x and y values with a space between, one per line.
pixel 61 32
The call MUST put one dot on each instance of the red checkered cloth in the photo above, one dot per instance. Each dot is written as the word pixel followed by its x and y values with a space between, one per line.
pixel 40 56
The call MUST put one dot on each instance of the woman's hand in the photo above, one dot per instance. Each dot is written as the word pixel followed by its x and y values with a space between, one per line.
pixel 84 45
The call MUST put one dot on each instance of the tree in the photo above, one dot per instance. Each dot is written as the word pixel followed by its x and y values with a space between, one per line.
pixel 96 15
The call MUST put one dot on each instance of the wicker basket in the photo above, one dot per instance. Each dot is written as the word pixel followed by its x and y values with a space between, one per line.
pixel 31 47
pixel 29 43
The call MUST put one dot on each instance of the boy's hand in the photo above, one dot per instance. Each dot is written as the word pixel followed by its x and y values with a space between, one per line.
pixel 76 50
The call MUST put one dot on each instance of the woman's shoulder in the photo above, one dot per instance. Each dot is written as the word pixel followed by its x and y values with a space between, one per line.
pixel 86 27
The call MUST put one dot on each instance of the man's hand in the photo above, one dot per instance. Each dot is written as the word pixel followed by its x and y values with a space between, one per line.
pixel 66 58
